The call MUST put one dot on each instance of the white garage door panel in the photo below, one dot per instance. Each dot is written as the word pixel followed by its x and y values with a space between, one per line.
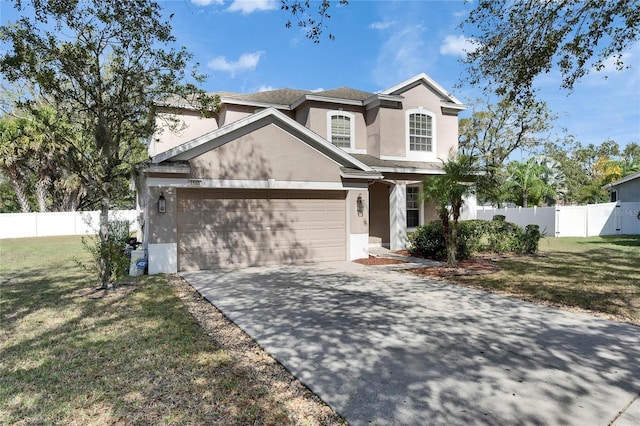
pixel 220 228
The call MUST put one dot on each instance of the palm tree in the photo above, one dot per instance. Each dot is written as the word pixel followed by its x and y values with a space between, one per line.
pixel 13 157
pixel 448 191
pixel 554 178
pixel 525 182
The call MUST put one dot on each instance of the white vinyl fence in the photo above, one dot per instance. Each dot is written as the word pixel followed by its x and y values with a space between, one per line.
pixel 573 221
pixel 19 225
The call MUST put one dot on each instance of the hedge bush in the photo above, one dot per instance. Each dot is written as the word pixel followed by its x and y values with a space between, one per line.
pixel 476 236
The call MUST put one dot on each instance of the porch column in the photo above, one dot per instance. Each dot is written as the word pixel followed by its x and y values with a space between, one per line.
pixel 398 216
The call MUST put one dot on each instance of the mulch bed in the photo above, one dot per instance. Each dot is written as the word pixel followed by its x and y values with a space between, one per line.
pixel 479 265
pixel 475 266
pixel 373 261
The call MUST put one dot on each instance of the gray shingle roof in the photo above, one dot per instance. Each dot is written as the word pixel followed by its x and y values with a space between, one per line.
pixel 276 97
pixel 289 96
pixel 345 93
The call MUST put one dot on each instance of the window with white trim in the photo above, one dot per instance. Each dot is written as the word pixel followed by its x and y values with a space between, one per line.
pixel 340 129
pixel 413 207
pixel 420 134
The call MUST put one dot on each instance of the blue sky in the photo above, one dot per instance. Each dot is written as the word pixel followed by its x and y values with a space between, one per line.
pixel 243 46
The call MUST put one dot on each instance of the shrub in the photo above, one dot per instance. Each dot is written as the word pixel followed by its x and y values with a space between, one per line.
pixel 428 241
pixel 112 251
pixel 530 239
pixel 476 236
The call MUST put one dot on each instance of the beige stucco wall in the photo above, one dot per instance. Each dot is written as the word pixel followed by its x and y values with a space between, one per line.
pixel 162 226
pixel 230 113
pixel 446 125
pixel 392 124
pixel 392 132
pixel 373 132
pixel 358 224
pixel 317 121
pixel 266 153
pixel 176 129
pixel 379 213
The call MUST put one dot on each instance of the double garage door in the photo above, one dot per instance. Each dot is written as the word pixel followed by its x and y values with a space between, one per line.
pixel 241 227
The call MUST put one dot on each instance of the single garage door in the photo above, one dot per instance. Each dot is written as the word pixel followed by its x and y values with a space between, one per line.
pixel 242 227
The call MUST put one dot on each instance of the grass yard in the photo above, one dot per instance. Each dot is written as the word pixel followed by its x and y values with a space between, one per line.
pixel 136 355
pixel 600 274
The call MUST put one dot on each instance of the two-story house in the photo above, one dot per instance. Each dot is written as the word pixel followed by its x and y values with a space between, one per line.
pixel 288 176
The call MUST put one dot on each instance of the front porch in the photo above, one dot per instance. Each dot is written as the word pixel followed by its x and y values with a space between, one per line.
pixel 395 209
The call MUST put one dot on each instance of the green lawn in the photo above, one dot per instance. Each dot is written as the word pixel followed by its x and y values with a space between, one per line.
pixel 600 274
pixel 71 355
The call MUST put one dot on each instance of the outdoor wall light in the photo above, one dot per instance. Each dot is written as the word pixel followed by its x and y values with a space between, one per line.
pixel 360 205
pixel 162 204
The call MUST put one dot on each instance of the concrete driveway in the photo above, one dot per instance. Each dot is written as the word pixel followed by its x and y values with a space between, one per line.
pixel 387 348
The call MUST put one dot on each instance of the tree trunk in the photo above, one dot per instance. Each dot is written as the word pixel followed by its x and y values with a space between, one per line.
pixel 449 242
pixel 19 187
pixel 452 247
pixel 105 258
pixel 525 198
pixel 42 186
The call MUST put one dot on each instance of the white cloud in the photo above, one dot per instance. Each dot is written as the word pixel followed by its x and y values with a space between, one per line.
pixel 250 6
pixel 265 88
pixel 403 54
pixel 381 25
pixel 206 2
pixel 246 62
pixel 611 63
pixel 457 45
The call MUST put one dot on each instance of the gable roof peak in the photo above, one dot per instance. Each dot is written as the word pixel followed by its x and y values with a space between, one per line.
pixel 421 78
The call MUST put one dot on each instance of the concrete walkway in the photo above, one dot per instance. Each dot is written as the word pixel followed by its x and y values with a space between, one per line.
pixel 384 347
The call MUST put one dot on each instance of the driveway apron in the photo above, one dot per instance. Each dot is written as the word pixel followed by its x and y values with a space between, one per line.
pixel 386 347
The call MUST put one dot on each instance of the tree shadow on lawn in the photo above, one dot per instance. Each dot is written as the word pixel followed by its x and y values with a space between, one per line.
pixel 139 359
pixel 603 282
pixel 618 240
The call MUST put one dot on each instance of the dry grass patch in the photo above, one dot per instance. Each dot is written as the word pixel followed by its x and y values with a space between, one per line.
pixel 134 355
pixel 597 274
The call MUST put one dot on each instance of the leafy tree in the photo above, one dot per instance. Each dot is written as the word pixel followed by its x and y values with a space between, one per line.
pixel 313 24
pixel 588 168
pixel 494 131
pixel 448 191
pixel 103 64
pixel 519 40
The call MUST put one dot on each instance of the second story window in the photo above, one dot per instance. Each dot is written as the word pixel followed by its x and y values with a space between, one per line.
pixel 420 132
pixel 340 129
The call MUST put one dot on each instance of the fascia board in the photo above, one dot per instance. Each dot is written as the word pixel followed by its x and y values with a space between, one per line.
pixel 155 168
pixel 368 175
pixel 408 170
pixel 317 98
pixel 227 100
pixel 454 106
pixel 422 77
